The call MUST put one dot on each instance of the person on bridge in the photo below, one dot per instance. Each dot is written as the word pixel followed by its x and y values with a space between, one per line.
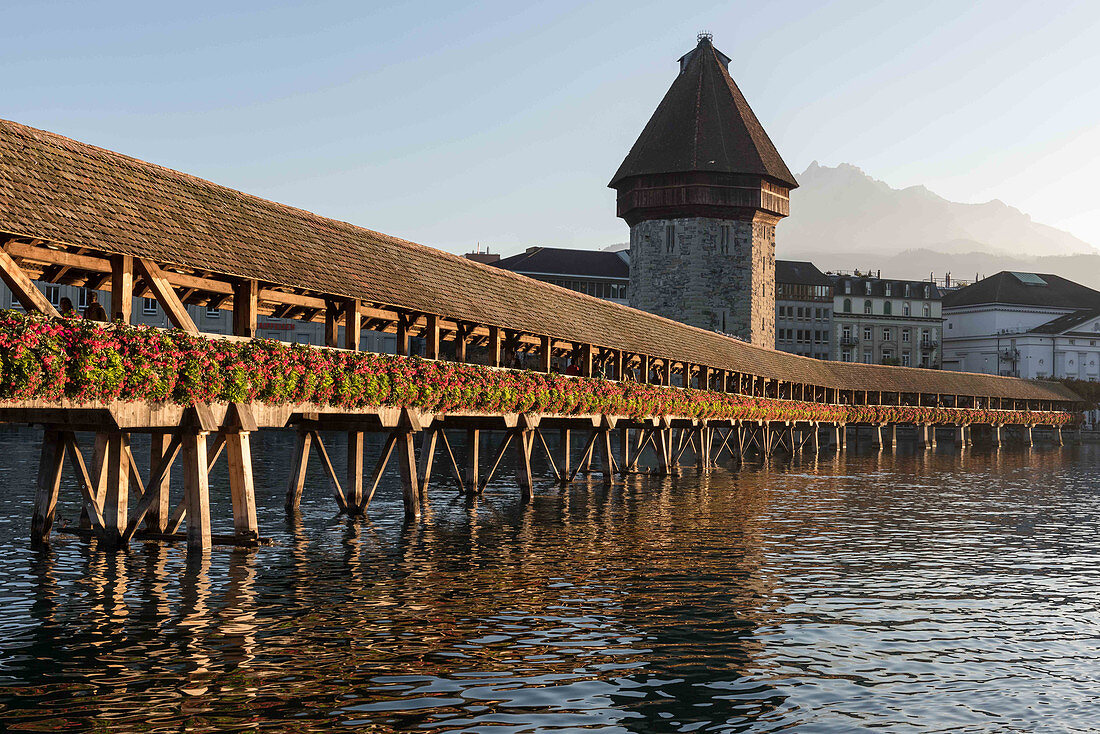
pixel 67 310
pixel 94 311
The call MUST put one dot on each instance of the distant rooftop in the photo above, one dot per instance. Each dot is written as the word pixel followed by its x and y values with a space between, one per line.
pixel 563 261
pixel 1025 289
pixel 799 271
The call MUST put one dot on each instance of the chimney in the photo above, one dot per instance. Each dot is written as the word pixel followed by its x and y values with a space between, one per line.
pixel 483 257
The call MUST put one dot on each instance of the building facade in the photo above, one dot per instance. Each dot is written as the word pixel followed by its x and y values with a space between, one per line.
pixel 702 189
pixel 881 321
pixel 803 309
pixel 1030 325
pixel 597 273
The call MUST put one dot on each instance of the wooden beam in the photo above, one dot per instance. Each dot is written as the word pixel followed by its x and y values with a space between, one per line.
pixel 24 290
pixel 166 296
pixel 50 464
pixel 545 354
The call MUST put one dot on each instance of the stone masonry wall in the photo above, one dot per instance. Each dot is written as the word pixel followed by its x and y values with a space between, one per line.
pixel 700 285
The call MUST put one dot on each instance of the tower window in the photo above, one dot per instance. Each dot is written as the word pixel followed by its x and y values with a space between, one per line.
pixel 670 238
pixel 724 239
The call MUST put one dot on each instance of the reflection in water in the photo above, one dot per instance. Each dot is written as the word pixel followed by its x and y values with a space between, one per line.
pixel 897 589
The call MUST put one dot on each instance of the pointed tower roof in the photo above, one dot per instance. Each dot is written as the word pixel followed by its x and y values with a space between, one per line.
pixel 704 123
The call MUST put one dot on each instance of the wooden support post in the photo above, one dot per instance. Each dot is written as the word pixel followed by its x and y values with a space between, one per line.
pixel 841 430
pixel 353 325
pixel 50 464
pixel 298 466
pixel 1058 436
pixel 473 460
pixel 624 451
pixel 525 441
pixel 876 437
pixel 406 464
pixel 608 467
pixel 122 287
pixel 242 486
pixel 586 360
pixel 116 478
pixel 1028 436
pixel 379 468
pixel 431 337
pixel 545 354
pixel 196 491
pixel 494 346
pixel 566 449
pixel 815 438
pixel 353 481
pixel 403 334
pixel 427 455
pixel 156 520
pixel 462 336
pixel 245 307
pixel 931 431
pixel 332 326
pixel 664 449
pixel 995 434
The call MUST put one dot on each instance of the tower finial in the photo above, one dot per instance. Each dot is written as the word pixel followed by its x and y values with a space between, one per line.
pixel 704 36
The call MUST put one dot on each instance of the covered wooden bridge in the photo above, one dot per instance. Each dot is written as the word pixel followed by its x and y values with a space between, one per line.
pixel 71 213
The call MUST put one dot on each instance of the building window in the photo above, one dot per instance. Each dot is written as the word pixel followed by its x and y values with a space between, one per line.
pixel 213 313
pixel 906 308
pixel 782 311
pixel 886 289
pixel 83 299
pixel 845 356
pixel 148 306
pixel 868 334
pixel 847 287
pixel 847 305
pixel 887 308
pixel 905 335
pixel 868 357
pixel 887 335
pixel 906 359
pixel 670 238
pixel 867 307
pixel 906 290
pixel 724 239
pixel 927 291
pixel 867 288
pixel 927 310
pixel 53 293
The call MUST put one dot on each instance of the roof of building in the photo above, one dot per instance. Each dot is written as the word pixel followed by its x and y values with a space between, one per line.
pixel 62 191
pixel 1025 289
pixel 704 123
pixel 1067 323
pixel 562 261
pixel 799 272
pixel 878 287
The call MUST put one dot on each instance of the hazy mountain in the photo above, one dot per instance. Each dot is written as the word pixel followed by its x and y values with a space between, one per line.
pixel 843 210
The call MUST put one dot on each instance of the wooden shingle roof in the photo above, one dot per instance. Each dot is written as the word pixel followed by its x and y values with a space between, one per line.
pixel 704 123
pixel 56 189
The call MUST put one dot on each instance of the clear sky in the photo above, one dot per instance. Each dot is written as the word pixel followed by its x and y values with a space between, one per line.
pixel 502 122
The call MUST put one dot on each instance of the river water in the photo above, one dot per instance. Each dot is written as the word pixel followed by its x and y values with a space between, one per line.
pixel 913 591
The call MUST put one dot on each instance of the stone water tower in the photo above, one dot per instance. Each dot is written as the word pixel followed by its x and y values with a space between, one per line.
pixel 702 190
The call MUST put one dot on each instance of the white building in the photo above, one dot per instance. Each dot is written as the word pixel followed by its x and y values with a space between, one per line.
pixel 882 321
pixel 1035 326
